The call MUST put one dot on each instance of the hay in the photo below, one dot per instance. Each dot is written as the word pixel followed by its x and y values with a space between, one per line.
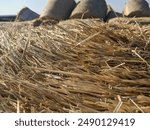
pixel 74 66
pixel 124 20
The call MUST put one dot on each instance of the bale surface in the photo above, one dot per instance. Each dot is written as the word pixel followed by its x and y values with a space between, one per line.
pixel 74 66
pixel 139 21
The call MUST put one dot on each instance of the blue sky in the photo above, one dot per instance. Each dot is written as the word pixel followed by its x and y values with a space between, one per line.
pixel 13 6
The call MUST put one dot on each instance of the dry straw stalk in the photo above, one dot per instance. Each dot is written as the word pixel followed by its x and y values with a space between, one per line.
pixel 74 66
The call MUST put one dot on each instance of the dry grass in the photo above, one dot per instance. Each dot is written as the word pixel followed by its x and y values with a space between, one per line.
pixel 134 20
pixel 74 66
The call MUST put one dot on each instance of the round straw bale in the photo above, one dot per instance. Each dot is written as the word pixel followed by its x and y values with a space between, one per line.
pixel 58 9
pixel 119 14
pixel 110 13
pixel 77 65
pixel 136 8
pixel 90 9
pixel 140 21
pixel 26 14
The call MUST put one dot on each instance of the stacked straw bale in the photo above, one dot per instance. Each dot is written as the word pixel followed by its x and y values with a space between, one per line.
pixel 58 9
pixel 110 13
pixel 136 8
pixel 74 66
pixel 90 9
pixel 26 14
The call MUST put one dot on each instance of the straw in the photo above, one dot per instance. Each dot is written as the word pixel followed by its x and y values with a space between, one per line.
pixel 74 66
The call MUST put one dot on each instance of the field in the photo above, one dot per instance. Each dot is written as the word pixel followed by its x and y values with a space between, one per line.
pixel 74 66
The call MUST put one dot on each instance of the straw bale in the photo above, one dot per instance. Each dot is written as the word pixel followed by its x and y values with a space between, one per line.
pixel 26 14
pixel 58 9
pixel 74 66
pixel 111 13
pixel 139 21
pixel 136 8
pixel 90 9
